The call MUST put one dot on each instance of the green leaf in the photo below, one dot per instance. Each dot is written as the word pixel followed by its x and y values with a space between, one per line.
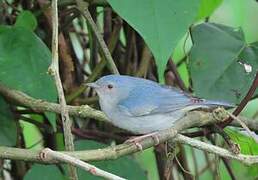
pixel 27 20
pixel 239 13
pixel 247 144
pixel 8 130
pixel 208 7
pixel 147 160
pixel 240 171
pixel 44 172
pixel 24 60
pixel 218 58
pixel 123 166
pixel 32 136
pixel 161 23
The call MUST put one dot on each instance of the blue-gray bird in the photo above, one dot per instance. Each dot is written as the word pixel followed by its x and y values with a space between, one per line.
pixel 142 106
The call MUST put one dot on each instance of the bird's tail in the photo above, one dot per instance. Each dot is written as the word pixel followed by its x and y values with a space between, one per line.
pixel 212 103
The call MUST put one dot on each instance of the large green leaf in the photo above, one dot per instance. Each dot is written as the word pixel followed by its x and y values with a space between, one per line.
pixel 239 13
pixel 207 7
pixel 26 19
pixel 24 60
pixel 123 166
pixel 8 128
pixel 219 61
pixel 44 172
pixel 161 23
pixel 147 160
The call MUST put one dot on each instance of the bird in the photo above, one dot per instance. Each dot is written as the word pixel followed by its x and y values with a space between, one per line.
pixel 142 106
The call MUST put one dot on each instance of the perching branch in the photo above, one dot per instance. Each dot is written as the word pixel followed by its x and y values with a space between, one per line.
pixel 40 105
pixel 114 152
pixel 192 119
pixel 54 71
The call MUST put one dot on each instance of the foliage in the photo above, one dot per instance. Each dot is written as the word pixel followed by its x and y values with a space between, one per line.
pixel 156 22
pixel 7 124
pixel 212 43
pixel 23 54
pixel 219 62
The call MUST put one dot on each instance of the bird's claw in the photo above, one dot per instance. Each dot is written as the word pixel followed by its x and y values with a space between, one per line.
pixel 136 140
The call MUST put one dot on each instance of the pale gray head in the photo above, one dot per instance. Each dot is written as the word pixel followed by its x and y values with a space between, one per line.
pixel 113 88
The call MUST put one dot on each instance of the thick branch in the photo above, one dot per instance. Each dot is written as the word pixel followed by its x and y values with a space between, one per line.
pixel 40 105
pixel 114 152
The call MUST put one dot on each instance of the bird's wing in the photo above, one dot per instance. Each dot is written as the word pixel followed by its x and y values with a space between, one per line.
pixel 153 100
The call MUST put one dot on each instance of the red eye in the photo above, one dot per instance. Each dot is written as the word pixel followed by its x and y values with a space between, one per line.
pixel 110 86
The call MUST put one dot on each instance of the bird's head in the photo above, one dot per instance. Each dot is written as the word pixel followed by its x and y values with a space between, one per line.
pixel 112 87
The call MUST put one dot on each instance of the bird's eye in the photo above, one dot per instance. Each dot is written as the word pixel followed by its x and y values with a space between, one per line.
pixel 110 86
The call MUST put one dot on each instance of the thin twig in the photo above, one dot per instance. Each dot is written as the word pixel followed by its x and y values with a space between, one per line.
pixel 225 161
pixel 246 159
pixel 182 163
pixel 83 8
pixel 244 102
pixel 186 173
pixel 54 71
pixel 243 125
pixel 112 41
pixel 233 147
pixel 47 154
pixel 237 111
pixel 171 153
pixel 229 169
pixel 179 80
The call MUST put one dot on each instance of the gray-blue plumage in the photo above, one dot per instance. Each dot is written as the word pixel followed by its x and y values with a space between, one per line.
pixel 143 106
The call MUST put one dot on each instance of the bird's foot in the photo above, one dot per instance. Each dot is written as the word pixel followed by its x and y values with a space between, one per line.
pixel 137 139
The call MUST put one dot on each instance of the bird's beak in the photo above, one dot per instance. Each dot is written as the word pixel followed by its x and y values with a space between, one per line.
pixel 93 85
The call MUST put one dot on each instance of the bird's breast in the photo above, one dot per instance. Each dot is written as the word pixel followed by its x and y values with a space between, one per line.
pixel 142 124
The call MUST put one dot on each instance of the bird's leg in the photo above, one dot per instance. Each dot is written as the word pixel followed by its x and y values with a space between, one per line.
pixel 137 139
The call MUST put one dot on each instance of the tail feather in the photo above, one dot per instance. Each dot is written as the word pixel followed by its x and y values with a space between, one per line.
pixel 218 103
